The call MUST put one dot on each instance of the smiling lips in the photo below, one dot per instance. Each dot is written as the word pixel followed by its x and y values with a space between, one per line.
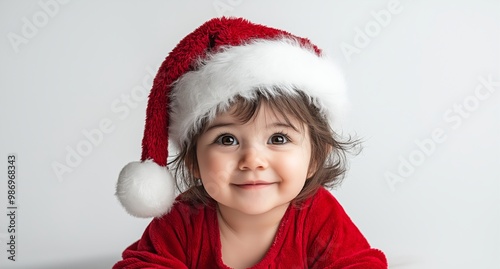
pixel 254 185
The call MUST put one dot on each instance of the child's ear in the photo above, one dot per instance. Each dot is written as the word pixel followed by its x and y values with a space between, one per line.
pixel 192 166
pixel 195 172
pixel 314 165
pixel 313 168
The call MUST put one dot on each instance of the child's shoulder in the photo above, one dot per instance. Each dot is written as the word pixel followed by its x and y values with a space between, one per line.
pixel 322 205
pixel 186 213
pixel 323 196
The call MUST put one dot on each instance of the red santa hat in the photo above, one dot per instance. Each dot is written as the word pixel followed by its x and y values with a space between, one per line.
pixel 222 59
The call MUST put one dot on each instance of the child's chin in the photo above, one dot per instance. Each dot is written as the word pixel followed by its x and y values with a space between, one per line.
pixel 255 209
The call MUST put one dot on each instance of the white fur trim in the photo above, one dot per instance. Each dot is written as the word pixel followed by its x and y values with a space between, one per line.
pixel 145 189
pixel 261 64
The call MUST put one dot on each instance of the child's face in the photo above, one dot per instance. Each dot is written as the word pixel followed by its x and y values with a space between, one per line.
pixel 255 166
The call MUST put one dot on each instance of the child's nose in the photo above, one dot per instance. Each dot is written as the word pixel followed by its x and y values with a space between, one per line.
pixel 251 159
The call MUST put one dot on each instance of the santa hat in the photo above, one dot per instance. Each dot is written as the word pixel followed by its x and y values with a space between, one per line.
pixel 222 59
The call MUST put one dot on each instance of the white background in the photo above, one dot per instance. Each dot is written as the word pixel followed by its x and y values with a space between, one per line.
pixel 78 62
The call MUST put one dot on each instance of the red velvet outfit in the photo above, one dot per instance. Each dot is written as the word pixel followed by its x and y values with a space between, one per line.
pixel 319 234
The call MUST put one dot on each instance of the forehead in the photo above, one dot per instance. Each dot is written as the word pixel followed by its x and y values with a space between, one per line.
pixel 246 113
pixel 294 110
pixel 261 114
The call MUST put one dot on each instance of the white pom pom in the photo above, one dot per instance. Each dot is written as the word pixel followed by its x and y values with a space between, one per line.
pixel 145 189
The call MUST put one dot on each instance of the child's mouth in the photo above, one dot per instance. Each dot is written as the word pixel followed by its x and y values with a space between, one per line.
pixel 249 186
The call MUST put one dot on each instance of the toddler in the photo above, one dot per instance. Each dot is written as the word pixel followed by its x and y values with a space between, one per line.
pixel 251 112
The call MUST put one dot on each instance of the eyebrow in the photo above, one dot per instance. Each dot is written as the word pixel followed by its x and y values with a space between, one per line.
pixel 219 125
pixel 275 124
pixel 285 125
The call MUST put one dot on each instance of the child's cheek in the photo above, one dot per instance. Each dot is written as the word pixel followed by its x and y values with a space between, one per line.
pixel 217 168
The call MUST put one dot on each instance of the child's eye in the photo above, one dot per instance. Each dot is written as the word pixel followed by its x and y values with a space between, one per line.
pixel 226 140
pixel 278 139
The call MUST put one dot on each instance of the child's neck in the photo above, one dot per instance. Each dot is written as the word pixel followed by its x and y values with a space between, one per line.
pixel 245 239
pixel 238 223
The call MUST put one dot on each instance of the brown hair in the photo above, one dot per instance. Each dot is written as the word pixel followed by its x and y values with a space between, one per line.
pixel 328 150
